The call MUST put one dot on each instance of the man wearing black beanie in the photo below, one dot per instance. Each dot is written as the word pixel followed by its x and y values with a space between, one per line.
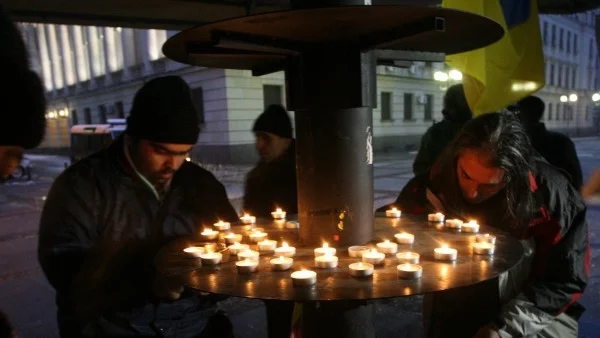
pixel 107 216
pixel 270 185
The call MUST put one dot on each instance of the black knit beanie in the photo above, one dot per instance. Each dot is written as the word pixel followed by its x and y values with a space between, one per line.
pixel 23 119
pixel 275 120
pixel 163 112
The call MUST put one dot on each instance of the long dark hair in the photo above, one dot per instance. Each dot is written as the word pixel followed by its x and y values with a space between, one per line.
pixel 502 138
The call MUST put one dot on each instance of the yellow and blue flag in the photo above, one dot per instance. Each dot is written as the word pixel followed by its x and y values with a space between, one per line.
pixel 509 69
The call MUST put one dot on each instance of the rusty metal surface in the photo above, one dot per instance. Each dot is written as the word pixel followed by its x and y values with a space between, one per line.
pixel 337 284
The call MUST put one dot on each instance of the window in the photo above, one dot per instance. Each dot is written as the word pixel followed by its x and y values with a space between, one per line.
pixel 559 83
pixel 102 111
pixel 272 95
pixel 386 106
pixel 575 51
pixel 428 107
pixel 587 114
pixel 545 34
pixel 567 77
pixel 591 49
pixel 553 36
pixel 568 42
pixel 87 115
pixel 565 112
pixel 573 78
pixel 408 106
pixel 552 74
pixel 561 45
pixel 198 99
pixel 549 112
pixel 120 109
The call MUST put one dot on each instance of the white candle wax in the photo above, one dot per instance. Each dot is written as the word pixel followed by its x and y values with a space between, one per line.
pixel 483 248
pixel 387 247
pixel 357 251
pixel 360 269
pixel 325 249
pixel 285 250
pixel 454 223
pixel 222 226
pixel 292 225
pixel 195 251
pixel 278 214
pixel 209 234
pixel 235 248
pixel 247 219
pixel 437 217
pixel 472 226
pixel 486 238
pixel 232 238
pixel 445 253
pixel 409 271
pixel 257 236
pixel 304 278
pixel 267 245
pixel 393 213
pixel 373 257
pixel 246 266
pixel 248 254
pixel 326 261
pixel 281 263
pixel 211 258
pixel 404 238
pixel 408 257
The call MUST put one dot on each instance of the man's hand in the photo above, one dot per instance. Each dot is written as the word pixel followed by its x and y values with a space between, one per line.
pixel 487 332
pixel 166 289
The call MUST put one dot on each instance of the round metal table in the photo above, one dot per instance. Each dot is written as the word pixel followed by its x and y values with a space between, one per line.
pixel 337 284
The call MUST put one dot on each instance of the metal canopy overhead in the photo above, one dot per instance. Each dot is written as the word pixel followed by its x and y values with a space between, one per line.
pixel 181 14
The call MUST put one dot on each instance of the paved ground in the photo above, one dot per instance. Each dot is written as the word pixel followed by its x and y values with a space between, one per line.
pixel 28 299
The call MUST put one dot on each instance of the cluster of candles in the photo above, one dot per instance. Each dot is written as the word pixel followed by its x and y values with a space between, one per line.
pixel 484 244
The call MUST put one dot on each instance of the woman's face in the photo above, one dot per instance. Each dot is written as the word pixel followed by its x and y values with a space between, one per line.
pixel 477 179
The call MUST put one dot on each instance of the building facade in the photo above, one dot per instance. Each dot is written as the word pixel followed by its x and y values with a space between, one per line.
pixel 92 74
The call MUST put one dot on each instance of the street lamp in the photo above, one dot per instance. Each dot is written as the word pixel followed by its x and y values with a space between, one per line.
pixel 573 98
pixel 564 98
pixel 596 97
pixel 440 76
pixel 455 75
pixel 448 78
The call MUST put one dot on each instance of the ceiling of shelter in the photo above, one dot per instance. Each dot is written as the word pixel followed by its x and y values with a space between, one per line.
pixel 180 14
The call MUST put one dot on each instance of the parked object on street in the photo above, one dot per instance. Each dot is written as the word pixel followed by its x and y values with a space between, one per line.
pixel 87 139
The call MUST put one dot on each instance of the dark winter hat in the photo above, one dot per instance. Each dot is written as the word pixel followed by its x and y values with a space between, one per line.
pixel 22 93
pixel 163 112
pixel 275 120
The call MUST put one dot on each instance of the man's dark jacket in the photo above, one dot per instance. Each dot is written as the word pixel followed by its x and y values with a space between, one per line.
pixel 100 230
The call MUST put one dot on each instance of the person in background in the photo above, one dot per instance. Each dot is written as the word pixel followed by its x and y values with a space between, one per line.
pixel 271 183
pixel 107 216
pixel 554 147
pixel 490 173
pixel 456 113
pixel 23 112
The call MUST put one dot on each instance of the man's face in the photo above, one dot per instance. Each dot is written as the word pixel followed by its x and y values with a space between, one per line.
pixel 270 146
pixel 478 180
pixel 158 162
pixel 10 157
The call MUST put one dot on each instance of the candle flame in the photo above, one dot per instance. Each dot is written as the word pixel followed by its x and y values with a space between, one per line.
pixel 325 245
pixel 281 258
pixel 236 244
pixel 279 210
pixel 472 221
pixel 444 246
pixel 387 241
pixel 246 216
pixel 373 251
pixel 284 245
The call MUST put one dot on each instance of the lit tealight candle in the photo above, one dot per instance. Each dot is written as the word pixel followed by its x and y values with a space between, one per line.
pixel 393 213
pixel 437 217
pixel 267 245
pixel 292 225
pixel 222 226
pixel 387 247
pixel 285 250
pixel 278 214
pixel 304 278
pixel 235 248
pixel 232 238
pixel 247 219
pixel 209 234
pixel 445 253
pixel 248 254
pixel 195 251
pixel 324 250
pixel 360 269
pixel 472 226
pixel 483 248
pixel 257 236
pixel 357 251
pixel 282 263
pixel 409 271
pixel 404 238
pixel 454 224
pixel 373 257
pixel 486 238
pixel 408 257
pixel 211 258
pixel 326 261
pixel 246 266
